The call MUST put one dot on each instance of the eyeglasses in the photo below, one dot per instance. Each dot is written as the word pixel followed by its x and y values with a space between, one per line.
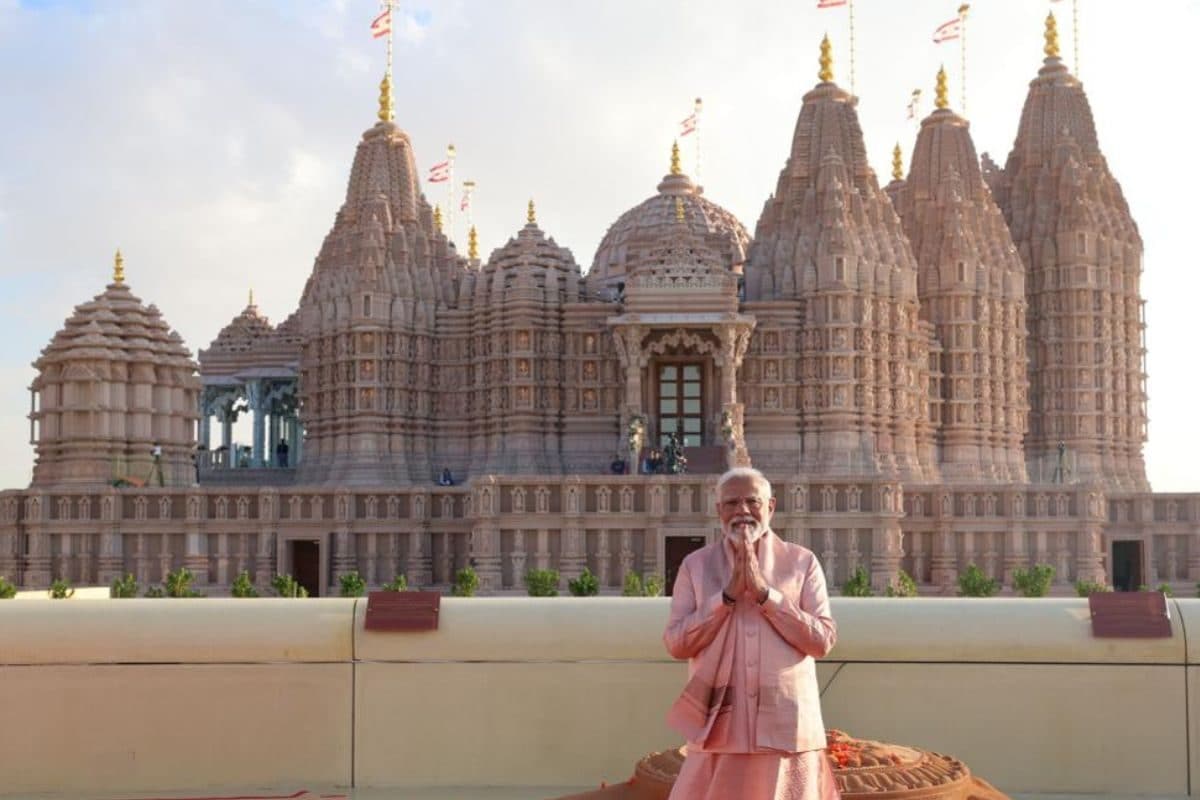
pixel 733 504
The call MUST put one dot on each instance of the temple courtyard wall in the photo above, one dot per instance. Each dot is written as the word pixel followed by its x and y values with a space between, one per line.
pixel 505 525
pixel 104 697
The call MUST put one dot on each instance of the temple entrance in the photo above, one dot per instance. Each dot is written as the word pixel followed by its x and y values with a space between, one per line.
pixel 306 564
pixel 681 403
pixel 677 548
pixel 1127 566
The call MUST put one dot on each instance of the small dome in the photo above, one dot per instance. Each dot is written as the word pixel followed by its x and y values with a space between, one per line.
pixel 531 266
pixel 115 325
pixel 639 236
pixel 243 332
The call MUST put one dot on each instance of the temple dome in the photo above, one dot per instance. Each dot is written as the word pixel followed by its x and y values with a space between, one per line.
pixel 112 385
pixel 639 236
pixel 244 331
pixel 530 265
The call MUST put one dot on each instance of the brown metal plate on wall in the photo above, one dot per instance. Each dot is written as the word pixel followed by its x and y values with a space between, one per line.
pixel 403 611
pixel 1130 615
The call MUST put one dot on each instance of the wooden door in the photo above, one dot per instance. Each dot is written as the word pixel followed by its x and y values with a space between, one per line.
pixel 677 548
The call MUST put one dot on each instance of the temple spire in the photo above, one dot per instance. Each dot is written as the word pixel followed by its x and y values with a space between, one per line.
pixel 437 217
pixel 826 60
pixel 897 163
pixel 943 92
pixel 531 213
pixel 676 168
pixel 250 302
pixel 678 209
pixel 472 244
pixel 118 267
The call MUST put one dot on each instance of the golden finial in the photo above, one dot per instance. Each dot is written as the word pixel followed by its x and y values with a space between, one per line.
pixel 897 164
pixel 1051 36
pixel 676 169
pixel 472 244
pixel 250 302
pixel 943 92
pixel 437 218
pixel 530 213
pixel 826 73
pixel 385 98
pixel 118 267
pixel 679 209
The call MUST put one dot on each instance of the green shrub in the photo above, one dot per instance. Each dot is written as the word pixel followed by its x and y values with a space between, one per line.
pixel 1085 588
pixel 859 584
pixel 8 589
pixel 653 586
pixel 633 586
pixel 124 587
pixel 542 582
pixel 466 583
pixel 905 586
pixel 973 583
pixel 352 585
pixel 179 583
pixel 155 592
pixel 60 589
pixel 243 586
pixel 286 586
pixel 1033 582
pixel 398 584
pixel 586 585
pixel 1165 588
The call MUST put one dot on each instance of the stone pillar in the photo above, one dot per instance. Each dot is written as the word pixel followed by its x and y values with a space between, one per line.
pixel 37 561
pixel 887 538
pixel 345 555
pixel 945 557
pixel 485 535
pixel 195 554
pixel 420 562
pixel 573 557
pixel 227 436
pixel 272 440
pixel 255 396
pixel 205 427
pixel 296 442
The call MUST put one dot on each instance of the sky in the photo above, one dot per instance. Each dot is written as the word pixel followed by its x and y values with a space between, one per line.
pixel 212 141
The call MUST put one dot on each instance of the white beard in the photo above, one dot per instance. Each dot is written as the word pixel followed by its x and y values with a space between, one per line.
pixel 744 529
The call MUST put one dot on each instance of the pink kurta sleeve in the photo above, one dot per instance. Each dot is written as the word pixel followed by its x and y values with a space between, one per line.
pixel 810 627
pixel 694 621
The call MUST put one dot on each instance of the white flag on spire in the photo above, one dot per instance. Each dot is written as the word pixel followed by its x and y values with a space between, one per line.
pixel 948 31
pixel 439 173
pixel 382 25
pixel 688 125
pixel 913 103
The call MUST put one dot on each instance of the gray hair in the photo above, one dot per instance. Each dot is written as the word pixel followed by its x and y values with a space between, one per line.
pixel 746 473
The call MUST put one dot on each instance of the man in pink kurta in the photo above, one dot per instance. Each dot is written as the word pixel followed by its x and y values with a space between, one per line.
pixel 751 613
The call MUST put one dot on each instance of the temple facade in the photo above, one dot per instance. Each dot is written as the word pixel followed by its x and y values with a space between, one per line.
pixel 943 371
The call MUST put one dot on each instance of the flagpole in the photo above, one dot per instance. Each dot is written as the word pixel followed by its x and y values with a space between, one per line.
pixel 389 6
pixel 1075 35
pixel 962 15
pixel 696 111
pixel 851 9
pixel 468 198
pixel 450 152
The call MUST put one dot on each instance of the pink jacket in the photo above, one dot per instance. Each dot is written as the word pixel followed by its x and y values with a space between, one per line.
pixel 774 643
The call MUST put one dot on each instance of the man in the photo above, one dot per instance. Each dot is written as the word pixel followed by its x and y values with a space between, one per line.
pixel 750 613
